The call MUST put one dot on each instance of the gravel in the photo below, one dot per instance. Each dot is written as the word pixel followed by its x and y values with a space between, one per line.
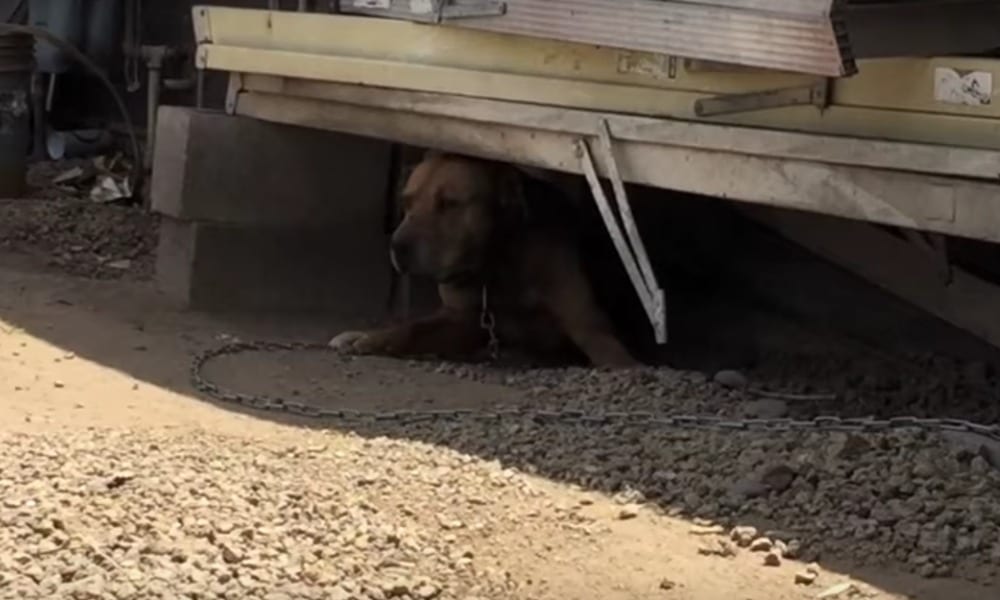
pixel 106 514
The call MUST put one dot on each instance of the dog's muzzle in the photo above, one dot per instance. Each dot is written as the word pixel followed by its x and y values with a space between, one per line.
pixel 401 256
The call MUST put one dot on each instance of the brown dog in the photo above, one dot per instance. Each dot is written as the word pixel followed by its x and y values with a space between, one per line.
pixel 490 235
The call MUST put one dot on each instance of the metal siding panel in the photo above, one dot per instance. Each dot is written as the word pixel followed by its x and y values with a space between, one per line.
pixel 792 35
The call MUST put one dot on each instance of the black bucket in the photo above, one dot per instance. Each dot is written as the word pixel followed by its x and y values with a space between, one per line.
pixel 17 61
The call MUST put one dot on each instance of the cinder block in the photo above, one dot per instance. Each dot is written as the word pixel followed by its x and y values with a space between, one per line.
pixel 217 267
pixel 209 166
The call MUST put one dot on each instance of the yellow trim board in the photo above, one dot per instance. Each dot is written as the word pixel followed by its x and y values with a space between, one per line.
pixel 899 125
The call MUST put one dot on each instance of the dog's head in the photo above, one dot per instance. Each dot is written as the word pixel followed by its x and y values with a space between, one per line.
pixel 453 209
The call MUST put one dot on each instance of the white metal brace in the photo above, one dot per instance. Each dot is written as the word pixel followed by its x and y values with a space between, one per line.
pixel 631 250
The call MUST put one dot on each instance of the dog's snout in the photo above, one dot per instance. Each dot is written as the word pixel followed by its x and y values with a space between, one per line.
pixel 401 252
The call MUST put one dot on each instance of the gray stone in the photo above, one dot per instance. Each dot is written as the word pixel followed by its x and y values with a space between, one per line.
pixel 731 379
pixel 806 577
pixel 743 536
pixel 215 267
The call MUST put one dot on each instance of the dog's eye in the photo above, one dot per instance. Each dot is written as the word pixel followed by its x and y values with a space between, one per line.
pixel 446 203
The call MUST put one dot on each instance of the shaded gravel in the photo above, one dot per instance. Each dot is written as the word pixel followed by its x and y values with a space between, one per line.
pixel 60 225
pixel 80 238
pixel 930 502
pixel 861 386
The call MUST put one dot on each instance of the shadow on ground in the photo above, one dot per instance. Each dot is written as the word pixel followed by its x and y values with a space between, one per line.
pixel 830 507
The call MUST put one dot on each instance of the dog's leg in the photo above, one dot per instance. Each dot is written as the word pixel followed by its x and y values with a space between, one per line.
pixel 446 334
pixel 570 300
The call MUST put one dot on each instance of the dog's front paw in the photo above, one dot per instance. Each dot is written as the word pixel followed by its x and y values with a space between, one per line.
pixel 349 342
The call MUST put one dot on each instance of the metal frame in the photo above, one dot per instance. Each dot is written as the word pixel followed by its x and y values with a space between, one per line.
pixel 630 248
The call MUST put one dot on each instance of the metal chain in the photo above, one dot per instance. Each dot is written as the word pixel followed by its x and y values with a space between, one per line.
pixel 488 321
pixel 563 416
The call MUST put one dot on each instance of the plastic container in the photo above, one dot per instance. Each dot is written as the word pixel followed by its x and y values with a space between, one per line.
pixel 77 143
pixel 64 18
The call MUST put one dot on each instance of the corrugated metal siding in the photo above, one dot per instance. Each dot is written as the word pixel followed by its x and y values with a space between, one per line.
pixel 791 35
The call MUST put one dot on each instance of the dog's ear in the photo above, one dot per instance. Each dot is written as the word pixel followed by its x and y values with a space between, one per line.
pixel 433 153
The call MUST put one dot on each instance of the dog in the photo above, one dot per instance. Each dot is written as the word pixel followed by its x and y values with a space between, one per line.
pixel 506 257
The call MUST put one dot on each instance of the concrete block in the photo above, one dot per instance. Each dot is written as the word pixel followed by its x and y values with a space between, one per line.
pixel 217 267
pixel 213 167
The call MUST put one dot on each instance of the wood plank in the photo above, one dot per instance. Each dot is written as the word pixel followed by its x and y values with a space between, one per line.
pixel 952 206
pixel 901 156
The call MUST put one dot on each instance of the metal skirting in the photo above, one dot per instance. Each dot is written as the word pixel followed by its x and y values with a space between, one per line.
pixel 804 36
pixel 819 37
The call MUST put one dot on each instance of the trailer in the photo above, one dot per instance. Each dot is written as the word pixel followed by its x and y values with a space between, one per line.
pixel 790 109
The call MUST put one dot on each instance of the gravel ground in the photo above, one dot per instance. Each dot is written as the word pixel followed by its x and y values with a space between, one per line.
pixel 116 483
pixel 928 502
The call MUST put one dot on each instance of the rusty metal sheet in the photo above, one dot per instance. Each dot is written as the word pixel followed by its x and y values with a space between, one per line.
pixel 806 36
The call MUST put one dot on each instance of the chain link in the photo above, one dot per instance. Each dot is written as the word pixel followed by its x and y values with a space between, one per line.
pixel 566 417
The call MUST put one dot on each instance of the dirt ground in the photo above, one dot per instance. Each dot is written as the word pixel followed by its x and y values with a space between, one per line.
pixel 118 481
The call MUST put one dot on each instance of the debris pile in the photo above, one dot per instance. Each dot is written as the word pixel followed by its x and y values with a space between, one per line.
pixel 102 179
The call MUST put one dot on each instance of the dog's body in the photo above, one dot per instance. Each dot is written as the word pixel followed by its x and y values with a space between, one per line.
pixel 497 240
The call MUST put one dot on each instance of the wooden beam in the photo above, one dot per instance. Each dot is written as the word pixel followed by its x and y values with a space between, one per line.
pixel 944 205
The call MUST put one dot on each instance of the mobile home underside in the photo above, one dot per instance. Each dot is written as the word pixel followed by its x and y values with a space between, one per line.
pixel 908 143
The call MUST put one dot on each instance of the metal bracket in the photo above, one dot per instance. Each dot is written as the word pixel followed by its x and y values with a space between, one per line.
pixel 695 65
pixel 817 95
pixel 426 11
pixel 233 92
pixel 631 250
